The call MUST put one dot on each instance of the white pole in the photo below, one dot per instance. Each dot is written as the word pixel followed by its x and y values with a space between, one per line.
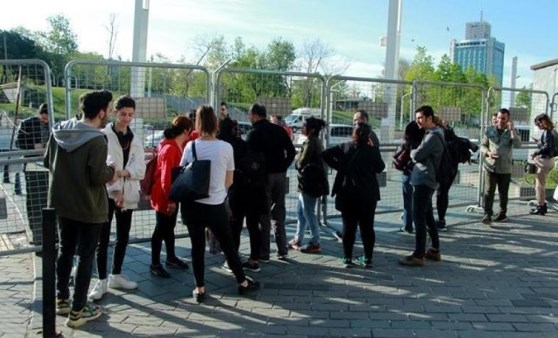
pixel 139 48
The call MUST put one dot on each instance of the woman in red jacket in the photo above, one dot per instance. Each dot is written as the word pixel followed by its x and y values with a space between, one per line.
pixel 166 210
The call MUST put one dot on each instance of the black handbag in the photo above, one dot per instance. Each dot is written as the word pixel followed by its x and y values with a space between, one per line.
pixel 192 181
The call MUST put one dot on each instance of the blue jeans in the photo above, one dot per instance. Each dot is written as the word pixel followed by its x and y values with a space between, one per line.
pixel 306 210
pixel 407 190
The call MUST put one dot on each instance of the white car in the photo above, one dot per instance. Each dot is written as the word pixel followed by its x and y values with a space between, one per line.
pixel 152 139
pixel 338 133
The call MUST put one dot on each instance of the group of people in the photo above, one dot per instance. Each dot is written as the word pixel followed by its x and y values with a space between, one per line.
pixel 96 166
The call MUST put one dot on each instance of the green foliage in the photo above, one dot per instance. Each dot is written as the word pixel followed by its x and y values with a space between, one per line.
pixel 551 179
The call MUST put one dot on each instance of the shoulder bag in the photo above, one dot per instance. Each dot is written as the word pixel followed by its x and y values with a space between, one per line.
pixel 192 181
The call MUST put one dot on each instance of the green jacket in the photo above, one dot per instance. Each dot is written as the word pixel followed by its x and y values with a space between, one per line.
pixel 501 143
pixel 76 157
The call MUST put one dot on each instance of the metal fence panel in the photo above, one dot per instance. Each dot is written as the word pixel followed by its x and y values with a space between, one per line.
pixel 161 92
pixel 524 105
pixel 285 94
pixel 24 86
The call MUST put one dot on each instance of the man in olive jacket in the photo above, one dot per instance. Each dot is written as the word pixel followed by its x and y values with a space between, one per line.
pixel 76 156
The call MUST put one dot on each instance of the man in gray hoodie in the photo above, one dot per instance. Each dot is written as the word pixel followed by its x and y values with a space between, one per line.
pixel 76 156
pixel 427 159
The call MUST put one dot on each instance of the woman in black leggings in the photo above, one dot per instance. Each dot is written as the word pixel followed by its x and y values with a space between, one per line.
pixel 211 211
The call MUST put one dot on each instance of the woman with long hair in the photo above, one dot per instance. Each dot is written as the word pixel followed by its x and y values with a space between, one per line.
pixel 125 150
pixel 312 184
pixel 544 160
pixel 211 212
pixel 356 189
pixel 166 210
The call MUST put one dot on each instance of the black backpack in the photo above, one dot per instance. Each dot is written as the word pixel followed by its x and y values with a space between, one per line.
pixel 445 170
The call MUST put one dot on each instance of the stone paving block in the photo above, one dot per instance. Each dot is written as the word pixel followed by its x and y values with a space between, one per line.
pixel 451 325
pixel 506 318
pixel 434 333
pixel 536 327
pixel 467 317
pixel 493 326
pixel 378 333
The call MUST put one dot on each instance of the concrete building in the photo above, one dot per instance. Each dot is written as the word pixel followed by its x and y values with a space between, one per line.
pixel 480 51
pixel 545 79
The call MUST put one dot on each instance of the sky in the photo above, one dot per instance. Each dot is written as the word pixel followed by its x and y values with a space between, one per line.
pixel 353 28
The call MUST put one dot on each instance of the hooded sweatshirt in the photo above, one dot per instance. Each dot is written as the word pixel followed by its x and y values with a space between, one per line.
pixel 76 157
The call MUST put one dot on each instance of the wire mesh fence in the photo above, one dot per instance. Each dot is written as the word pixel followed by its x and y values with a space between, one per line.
pixel 162 91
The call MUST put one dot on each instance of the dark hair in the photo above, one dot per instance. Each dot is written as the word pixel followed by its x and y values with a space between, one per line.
pixel 43 108
pixel 545 118
pixel 361 134
pixel 413 133
pixel 125 101
pixel 504 111
pixel 206 121
pixel 228 130
pixel 363 113
pixel 313 123
pixel 425 110
pixel 178 126
pixel 91 103
pixel 223 103
pixel 258 109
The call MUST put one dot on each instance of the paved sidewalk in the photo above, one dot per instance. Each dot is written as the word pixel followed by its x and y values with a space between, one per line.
pixel 499 281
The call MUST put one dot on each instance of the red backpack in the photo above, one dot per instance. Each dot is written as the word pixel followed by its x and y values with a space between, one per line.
pixel 146 184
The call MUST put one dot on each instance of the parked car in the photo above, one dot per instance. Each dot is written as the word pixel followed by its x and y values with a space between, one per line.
pixel 152 140
pixel 338 133
pixel 244 128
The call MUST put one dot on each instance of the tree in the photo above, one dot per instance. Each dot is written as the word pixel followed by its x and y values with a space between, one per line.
pixel 112 30
pixel 59 39
pixel 524 98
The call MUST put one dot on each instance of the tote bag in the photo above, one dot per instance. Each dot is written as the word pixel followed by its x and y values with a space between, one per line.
pixel 192 181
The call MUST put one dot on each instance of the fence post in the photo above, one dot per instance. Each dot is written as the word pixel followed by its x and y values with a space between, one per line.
pixel 49 256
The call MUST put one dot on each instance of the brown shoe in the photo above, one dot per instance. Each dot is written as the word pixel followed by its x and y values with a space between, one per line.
pixel 433 255
pixel 411 261
pixel 312 249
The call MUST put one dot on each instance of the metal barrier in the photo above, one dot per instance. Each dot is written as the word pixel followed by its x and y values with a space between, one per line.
pixel 280 92
pixel 24 85
pixel 523 104
pixel 161 91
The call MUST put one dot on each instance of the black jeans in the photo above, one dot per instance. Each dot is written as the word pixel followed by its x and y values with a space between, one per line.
pixel 123 224
pixel 491 180
pixel 164 231
pixel 364 219
pixel 239 209
pixel 197 217
pixel 81 238
pixel 442 198
pixel 423 217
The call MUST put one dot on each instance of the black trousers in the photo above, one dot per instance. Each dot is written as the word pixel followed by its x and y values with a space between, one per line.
pixel 423 217
pixel 164 231
pixel 362 218
pixel 123 224
pixel 197 217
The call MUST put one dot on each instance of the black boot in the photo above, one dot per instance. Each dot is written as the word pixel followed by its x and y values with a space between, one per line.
pixel 545 210
pixel 540 210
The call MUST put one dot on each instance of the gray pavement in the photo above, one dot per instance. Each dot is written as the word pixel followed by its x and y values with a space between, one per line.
pixel 499 281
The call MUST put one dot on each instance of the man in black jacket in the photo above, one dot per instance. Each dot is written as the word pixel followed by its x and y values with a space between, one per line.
pixel 32 134
pixel 271 140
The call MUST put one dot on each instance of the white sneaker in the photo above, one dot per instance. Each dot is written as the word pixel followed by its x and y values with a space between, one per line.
pixel 121 282
pixel 99 290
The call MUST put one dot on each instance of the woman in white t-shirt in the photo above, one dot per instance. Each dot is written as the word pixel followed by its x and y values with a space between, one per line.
pixel 211 211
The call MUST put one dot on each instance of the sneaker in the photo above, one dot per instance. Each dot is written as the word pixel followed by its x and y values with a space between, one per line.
pixel 63 306
pixel 441 225
pixel 198 296
pixel 78 318
pixel 311 249
pixel 282 257
pixel 176 263
pixel 433 255
pixel 263 259
pixel 347 262
pixel 225 266
pixel 365 262
pixel 405 229
pixel 251 266
pixel 487 219
pixel 99 290
pixel 158 270
pixel 295 244
pixel 411 261
pixel 121 282
pixel 250 287
pixel 501 217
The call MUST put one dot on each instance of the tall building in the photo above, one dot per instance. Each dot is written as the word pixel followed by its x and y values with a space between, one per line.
pixel 480 51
